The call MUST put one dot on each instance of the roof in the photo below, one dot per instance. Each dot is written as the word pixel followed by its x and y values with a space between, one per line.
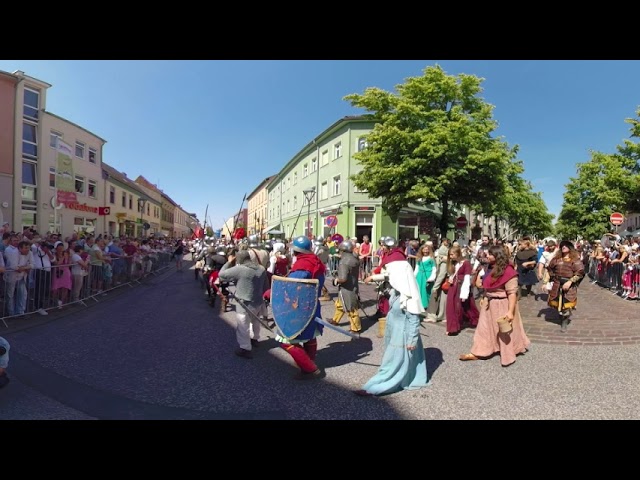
pixel 264 183
pixel 312 144
pixel 120 177
pixel 143 181
pixel 75 125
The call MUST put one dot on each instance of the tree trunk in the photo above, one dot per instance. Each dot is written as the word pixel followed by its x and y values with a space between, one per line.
pixel 495 219
pixel 444 219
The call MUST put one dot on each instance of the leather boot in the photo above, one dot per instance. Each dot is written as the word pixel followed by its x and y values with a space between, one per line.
pixel 382 324
pixel 224 304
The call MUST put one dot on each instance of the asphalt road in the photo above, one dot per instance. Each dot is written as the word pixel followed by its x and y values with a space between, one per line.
pixel 158 351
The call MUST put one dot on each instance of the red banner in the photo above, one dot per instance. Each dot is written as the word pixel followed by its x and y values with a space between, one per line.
pixel 66 197
pixel 104 210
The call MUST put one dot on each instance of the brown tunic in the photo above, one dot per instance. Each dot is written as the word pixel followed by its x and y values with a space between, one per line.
pixel 561 271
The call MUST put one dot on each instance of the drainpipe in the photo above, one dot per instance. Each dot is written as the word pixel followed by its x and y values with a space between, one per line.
pixel 17 143
pixel 317 188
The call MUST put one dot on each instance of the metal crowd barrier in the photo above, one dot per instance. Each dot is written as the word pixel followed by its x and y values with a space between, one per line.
pixel 26 293
pixel 620 278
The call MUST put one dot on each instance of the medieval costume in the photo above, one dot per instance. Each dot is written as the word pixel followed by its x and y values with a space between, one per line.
pixel 526 261
pixel 566 271
pixel 488 339
pixel 436 311
pixel 404 365
pixel 304 346
pixel 461 306
pixel 348 290
pixel 425 266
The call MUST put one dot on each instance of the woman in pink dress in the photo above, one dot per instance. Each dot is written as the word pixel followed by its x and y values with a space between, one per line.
pixel 61 274
pixel 461 305
pixel 500 301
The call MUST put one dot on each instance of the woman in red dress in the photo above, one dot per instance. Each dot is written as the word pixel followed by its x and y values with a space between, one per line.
pixel 461 304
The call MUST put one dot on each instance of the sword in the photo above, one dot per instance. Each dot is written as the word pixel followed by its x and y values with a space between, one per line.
pixel 337 329
pixel 241 302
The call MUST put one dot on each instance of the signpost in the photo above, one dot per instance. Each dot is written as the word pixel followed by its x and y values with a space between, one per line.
pixel 461 223
pixel 616 218
pixel 331 221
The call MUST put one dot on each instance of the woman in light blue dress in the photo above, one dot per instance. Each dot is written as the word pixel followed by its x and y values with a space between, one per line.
pixel 404 365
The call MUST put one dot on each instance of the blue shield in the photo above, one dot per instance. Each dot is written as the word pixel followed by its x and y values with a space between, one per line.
pixel 293 303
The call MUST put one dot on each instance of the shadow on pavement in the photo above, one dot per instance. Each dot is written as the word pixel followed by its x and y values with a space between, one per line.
pixel 341 353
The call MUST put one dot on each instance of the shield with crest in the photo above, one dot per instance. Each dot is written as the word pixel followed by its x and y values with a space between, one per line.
pixel 293 303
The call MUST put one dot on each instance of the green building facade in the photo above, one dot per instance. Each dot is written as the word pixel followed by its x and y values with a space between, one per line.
pixel 314 190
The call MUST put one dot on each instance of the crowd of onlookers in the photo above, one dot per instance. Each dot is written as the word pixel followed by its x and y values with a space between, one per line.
pixel 50 270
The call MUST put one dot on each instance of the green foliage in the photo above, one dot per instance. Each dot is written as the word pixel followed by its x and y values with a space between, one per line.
pixel 432 144
pixel 603 185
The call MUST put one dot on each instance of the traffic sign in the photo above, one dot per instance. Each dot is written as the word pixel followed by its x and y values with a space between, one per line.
pixel 331 221
pixel 337 238
pixel 461 222
pixel 616 218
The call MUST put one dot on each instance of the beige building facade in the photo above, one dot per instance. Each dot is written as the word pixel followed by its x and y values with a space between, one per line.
pixel 257 209
pixel 86 214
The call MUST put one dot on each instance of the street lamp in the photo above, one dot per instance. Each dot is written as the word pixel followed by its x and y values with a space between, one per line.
pixel 309 193
pixel 141 203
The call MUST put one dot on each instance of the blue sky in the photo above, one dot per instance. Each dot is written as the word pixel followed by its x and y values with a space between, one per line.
pixel 210 131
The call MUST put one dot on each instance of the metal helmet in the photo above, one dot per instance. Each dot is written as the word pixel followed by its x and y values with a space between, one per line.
pixel 382 239
pixel 211 250
pixel 254 241
pixel 346 246
pixel 301 244
pixel 319 240
pixel 268 247
pixel 390 242
pixel 222 250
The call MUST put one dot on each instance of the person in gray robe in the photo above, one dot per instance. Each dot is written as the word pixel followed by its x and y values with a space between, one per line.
pixel 348 300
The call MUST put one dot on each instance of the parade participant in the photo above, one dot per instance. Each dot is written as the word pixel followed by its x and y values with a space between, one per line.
pixel 436 311
pixel 250 281
pixel 217 288
pixel 404 365
pixel 526 260
pixel 499 304
pixel 258 254
pixel 566 271
pixel 545 258
pixel 390 252
pixel 425 272
pixel 4 362
pixel 348 290
pixel 461 306
pixel 303 347
pixel 322 251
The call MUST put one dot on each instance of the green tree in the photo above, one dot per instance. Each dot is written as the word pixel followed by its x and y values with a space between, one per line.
pixel 631 151
pixel 432 144
pixel 603 185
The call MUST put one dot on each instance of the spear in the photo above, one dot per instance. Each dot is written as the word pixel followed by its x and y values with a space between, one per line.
pixel 235 219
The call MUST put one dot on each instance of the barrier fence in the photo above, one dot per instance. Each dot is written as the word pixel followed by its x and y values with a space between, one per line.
pixel 40 290
pixel 620 278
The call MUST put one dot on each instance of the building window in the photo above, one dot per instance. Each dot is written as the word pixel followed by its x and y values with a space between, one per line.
pixel 112 195
pixel 79 184
pixel 337 150
pixel 81 224
pixel 288 183
pixel 295 203
pixel 52 177
pixel 295 178
pixel 29 140
pixel 29 217
pixel 93 155
pixel 53 138
pixel 314 164
pixel 124 200
pixel 31 104
pixel 305 170
pixel 131 203
pixel 29 173
pixel 92 188
pixel 336 186
pixel 362 144
pixel 325 158
pixel 324 191
pixel 357 190
pixel 79 149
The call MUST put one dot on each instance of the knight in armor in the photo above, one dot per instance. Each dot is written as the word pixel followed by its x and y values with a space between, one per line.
pixel 348 290
pixel 303 348
pixel 216 287
pixel 322 251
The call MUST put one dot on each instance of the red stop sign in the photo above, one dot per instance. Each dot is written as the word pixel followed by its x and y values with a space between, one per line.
pixel 616 218
pixel 461 222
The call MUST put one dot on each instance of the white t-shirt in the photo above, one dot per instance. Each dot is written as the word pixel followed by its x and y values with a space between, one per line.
pixel 76 269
